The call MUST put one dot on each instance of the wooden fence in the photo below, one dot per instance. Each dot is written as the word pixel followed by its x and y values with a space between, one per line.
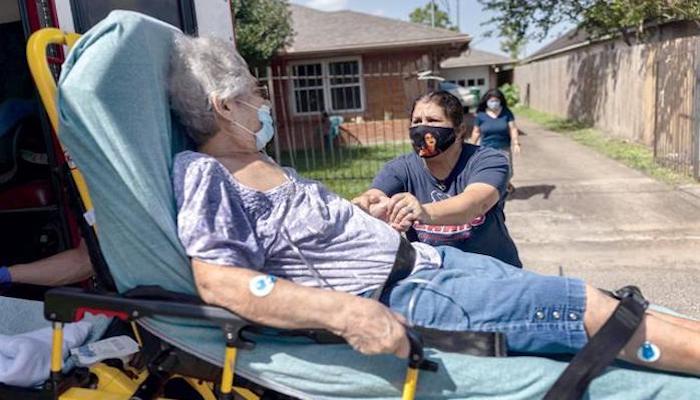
pixel 647 93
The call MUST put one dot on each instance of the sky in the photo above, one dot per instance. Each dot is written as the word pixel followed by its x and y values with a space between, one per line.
pixel 471 16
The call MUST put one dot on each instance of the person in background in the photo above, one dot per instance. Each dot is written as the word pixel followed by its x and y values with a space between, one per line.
pixel 446 192
pixel 494 127
pixel 64 268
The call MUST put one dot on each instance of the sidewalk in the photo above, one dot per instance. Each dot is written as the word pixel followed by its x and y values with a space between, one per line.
pixel 600 220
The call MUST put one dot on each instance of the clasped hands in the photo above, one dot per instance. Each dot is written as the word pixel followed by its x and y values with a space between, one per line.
pixel 401 210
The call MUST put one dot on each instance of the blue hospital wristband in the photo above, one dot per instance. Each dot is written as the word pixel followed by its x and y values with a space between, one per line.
pixel 5 277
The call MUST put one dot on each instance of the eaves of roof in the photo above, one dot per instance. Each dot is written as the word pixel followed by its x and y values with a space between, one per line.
pixel 460 42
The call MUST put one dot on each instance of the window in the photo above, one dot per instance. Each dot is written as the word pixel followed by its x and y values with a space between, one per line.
pixel 308 88
pixel 345 85
pixel 480 81
pixel 315 83
pixel 470 82
pixel 460 82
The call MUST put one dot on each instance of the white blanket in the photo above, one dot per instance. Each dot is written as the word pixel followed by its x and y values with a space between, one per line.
pixel 25 359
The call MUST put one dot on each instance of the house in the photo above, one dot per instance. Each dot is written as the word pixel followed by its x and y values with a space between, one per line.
pixel 358 66
pixel 478 69
pixel 626 85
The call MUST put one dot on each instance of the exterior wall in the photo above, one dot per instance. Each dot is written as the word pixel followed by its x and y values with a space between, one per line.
pixel 389 86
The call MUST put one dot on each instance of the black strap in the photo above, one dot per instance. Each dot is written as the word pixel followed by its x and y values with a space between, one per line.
pixel 403 265
pixel 603 348
pixel 485 344
pixel 154 292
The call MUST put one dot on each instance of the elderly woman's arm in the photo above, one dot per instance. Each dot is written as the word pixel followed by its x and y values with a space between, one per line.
pixel 367 325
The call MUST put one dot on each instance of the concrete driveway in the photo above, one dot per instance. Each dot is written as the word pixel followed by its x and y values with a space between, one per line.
pixel 580 212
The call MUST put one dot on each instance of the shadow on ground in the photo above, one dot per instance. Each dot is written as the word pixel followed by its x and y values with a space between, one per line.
pixel 527 192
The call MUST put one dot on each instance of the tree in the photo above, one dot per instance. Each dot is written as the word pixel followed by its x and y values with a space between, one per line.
pixel 424 16
pixel 518 19
pixel 262 28
pixel 512 45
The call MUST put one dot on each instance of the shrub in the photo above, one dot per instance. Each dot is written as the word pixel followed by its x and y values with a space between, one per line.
pixel 512 94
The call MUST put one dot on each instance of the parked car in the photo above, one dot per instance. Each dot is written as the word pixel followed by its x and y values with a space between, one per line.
pixel 468 97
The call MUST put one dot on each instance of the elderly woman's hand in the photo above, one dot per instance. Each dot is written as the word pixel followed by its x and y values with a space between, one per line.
pixel 404 210
pixel 373 202
pixel 372 328
pixel 367 199
pixel 380 209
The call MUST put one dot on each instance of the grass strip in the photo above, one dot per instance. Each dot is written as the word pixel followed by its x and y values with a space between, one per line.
pixel 633 155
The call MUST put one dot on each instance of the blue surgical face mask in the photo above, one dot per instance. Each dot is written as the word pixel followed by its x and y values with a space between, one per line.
pixel 267 129
pixel 493 104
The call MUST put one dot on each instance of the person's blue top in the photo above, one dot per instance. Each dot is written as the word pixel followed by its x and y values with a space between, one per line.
pixel 484 235
pixel 494 131
pixel 12 111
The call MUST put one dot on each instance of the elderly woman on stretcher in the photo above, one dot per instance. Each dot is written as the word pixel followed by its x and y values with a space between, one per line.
pixel 284 251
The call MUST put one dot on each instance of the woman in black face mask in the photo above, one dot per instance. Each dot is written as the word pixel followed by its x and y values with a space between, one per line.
pixel 447 192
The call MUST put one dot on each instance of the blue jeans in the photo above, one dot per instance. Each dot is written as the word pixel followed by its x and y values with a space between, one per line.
pixel 537 313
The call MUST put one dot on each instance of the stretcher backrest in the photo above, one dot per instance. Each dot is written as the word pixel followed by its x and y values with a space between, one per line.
pixel 115 121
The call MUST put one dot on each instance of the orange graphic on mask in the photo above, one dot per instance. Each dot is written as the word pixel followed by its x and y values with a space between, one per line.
pixel 429 147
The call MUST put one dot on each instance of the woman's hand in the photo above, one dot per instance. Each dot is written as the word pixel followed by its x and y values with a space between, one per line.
pixel 404 210
pixel 515 148
pixel 372 328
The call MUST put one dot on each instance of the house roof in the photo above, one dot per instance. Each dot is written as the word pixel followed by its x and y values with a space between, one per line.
pixel 570 39
pixel 474 58
pixel 322 31
pixel 577 38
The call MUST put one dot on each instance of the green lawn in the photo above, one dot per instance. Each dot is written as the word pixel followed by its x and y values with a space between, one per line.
pixel 346 170
pixel 633 155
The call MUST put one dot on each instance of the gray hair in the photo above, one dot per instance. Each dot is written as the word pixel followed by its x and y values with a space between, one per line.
pixel 199 68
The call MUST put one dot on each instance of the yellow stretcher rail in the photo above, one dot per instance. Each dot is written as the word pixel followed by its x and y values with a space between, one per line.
pixel 44 80
pixel 37 47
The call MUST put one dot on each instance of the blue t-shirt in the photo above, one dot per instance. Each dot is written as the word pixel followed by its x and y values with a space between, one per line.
pixel 495 132
pixel 486 234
